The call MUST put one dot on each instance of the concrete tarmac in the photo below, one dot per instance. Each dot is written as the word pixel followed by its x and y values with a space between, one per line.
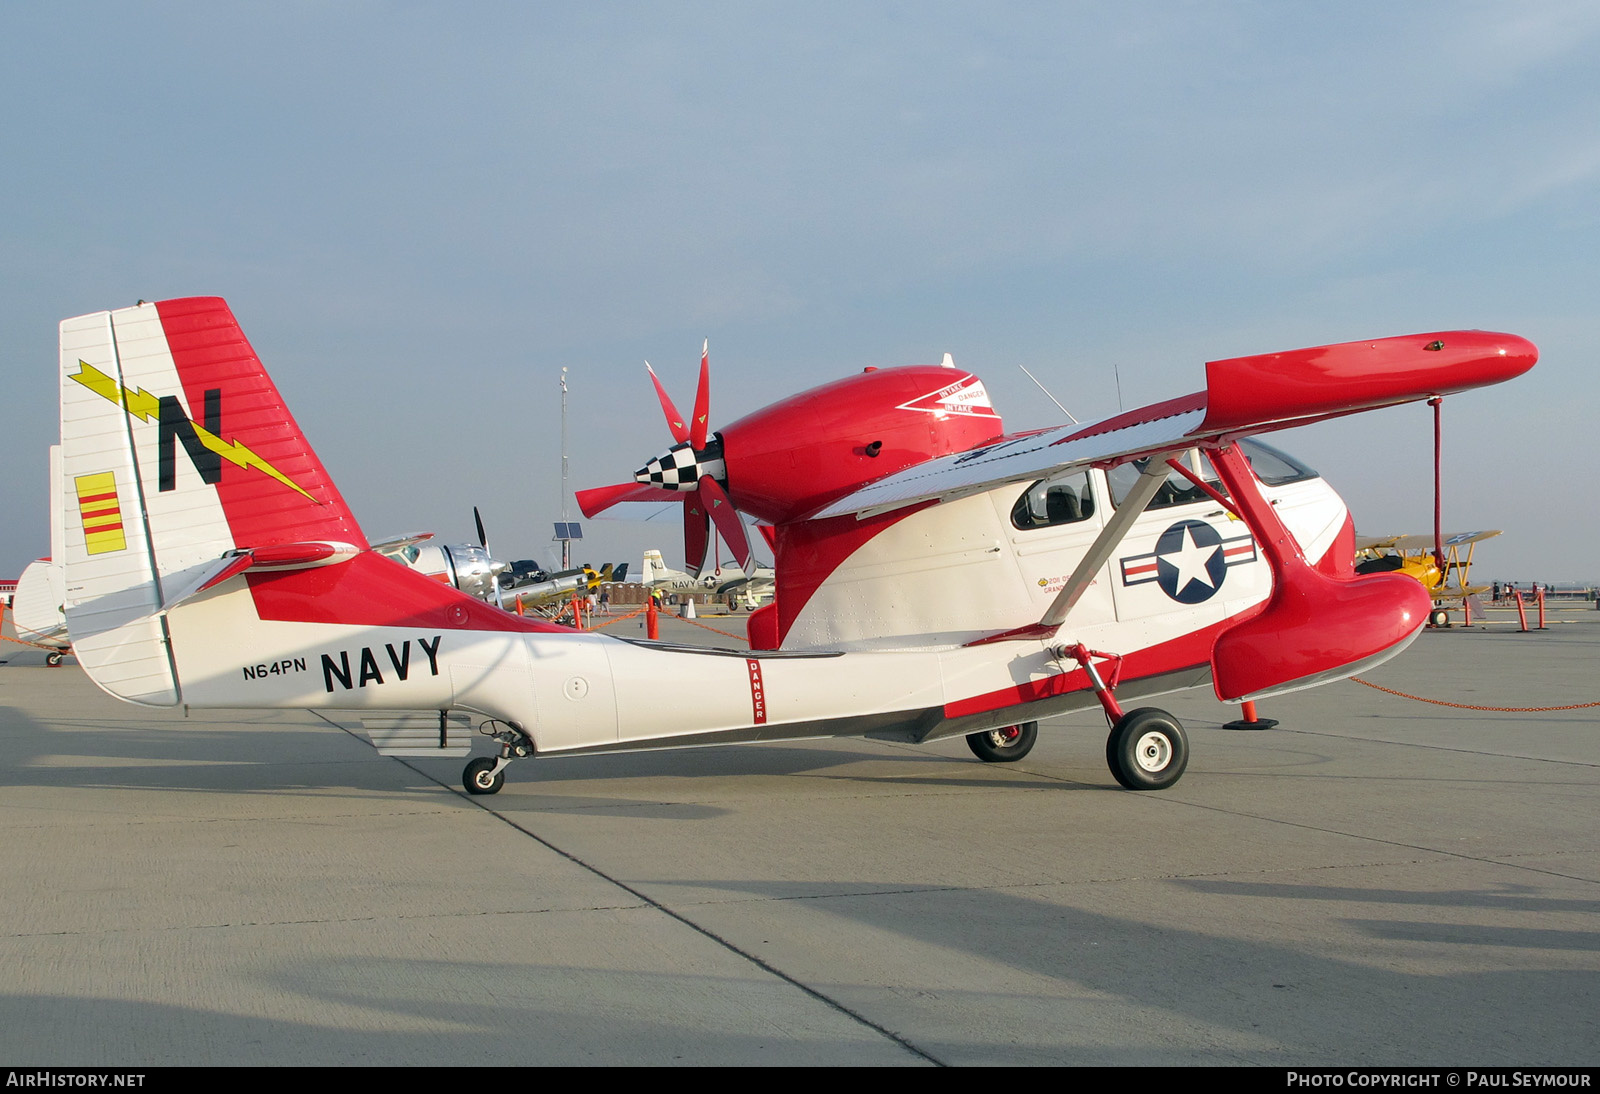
pixel 1377 881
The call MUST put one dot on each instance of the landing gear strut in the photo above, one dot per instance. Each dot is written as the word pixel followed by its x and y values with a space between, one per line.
pixel 1147 748
pixel 487 774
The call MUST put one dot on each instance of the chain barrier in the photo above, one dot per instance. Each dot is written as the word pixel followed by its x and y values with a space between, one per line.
pixel 679 618
pixel 1470 706
pixel 21 641
pixel 704 627
pixel 619 618
pixel 25 642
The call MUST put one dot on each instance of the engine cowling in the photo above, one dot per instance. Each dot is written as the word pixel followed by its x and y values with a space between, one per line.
pixel 788 460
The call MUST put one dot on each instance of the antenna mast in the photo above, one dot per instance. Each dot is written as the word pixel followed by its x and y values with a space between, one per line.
pixel 566 545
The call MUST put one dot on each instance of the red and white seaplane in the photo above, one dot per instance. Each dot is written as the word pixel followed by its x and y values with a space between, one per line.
pixel 935 577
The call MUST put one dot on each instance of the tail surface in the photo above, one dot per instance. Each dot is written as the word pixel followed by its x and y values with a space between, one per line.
pixel 176 449
pixel 185 478
pixel 651 569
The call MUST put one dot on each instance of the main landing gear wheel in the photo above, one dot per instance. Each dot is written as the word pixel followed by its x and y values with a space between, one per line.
pixel 1003 746
pixel 1439 618
pixel 480 776
pixel 1147 750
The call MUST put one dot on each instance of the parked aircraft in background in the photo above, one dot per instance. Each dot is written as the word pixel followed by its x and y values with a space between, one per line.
pixel 36 609
pixel 935 576
pixel 462 566
pixel 1416 556
pixel 753 590
pixel 36 606
pixel 558 587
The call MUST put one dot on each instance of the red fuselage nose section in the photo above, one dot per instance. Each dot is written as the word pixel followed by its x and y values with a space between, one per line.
pixel 790 459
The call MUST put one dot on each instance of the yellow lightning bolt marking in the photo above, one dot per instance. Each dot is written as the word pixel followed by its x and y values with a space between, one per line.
pixel 147 407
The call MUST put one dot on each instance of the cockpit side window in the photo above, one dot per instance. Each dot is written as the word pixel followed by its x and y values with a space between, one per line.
pixel 1177 490
pixel 1272 467
pixel 1050 502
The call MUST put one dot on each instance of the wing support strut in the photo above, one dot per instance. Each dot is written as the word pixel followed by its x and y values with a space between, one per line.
pixel 1155 473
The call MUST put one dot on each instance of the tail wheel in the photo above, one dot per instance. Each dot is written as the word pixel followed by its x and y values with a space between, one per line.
pixel 480 776
pixel 1003 746
pixel 54 659
pixel 1147 750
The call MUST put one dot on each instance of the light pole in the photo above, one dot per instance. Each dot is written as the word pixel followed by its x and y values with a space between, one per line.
pixel 566 544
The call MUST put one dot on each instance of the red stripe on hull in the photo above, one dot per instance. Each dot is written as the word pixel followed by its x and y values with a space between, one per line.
pixel 1186 651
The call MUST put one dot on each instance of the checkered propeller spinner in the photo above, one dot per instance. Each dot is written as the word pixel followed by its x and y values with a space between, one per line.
pixel 694 466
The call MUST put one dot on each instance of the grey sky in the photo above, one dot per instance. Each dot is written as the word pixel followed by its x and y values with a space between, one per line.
pixel 421 213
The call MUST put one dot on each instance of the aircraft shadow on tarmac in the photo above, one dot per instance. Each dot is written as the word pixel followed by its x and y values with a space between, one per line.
pixel 1115 991
pixel 582 1017
pixel 1509 898
pixel 1294 1004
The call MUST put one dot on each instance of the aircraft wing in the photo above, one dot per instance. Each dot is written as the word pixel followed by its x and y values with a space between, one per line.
pixel 1243 396
pixel 1420 541
pixel 1158 428
pixel 397 544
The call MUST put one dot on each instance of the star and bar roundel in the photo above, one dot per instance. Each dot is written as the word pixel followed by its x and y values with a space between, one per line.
pixel 1190 561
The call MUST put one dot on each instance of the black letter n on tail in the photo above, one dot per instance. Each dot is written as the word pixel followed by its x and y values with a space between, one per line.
pixel 175 425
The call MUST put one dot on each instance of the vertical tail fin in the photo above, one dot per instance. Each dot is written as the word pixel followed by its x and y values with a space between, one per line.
pixel 176 449
pixel 650 570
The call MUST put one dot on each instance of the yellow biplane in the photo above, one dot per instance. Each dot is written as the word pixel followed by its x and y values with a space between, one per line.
pixel 1414 555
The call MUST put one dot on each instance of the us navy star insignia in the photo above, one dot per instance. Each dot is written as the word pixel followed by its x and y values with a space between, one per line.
pixel 1190 561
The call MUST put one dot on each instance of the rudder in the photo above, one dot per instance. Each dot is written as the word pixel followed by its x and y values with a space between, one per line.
pixel 176 450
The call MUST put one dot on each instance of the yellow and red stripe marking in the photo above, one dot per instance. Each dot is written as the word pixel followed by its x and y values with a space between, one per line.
pixel 101 511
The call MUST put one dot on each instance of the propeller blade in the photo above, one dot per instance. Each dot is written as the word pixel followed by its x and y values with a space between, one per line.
pixel 598 499
pixel 696 533
pixel 721 511
pixel 698 429
pixel 483 537
pixel 675 422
